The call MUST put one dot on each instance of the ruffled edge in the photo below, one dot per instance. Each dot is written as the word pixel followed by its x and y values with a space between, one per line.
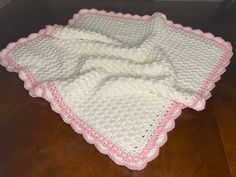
pixel 159 136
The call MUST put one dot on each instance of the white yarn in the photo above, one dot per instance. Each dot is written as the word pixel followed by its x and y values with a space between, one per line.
pixel 192 56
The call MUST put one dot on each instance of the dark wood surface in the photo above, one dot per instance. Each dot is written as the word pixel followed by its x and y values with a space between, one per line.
pixel 35 142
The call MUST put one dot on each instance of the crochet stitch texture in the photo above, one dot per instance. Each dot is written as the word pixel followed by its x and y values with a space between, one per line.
pixel 120 79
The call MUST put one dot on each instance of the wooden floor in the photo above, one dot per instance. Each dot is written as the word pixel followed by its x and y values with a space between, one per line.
pixel 35 142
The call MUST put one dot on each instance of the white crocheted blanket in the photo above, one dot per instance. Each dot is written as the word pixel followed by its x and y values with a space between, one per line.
pixel 120 80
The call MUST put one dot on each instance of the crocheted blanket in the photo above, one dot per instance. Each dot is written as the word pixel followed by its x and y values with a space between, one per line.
pixel 119 79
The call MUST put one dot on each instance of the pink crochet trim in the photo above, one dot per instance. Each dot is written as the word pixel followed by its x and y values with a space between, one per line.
pixel 159 137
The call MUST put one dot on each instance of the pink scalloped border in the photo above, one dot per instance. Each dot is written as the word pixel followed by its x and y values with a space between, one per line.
pixel 58 105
